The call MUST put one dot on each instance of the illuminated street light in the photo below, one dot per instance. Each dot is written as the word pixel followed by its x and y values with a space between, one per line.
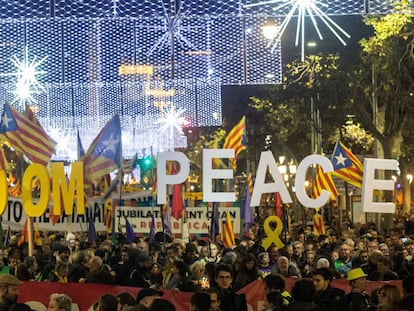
pixel 270 30
pixel 302 8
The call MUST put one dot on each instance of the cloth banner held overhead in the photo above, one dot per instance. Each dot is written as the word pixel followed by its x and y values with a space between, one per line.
pixel 85 295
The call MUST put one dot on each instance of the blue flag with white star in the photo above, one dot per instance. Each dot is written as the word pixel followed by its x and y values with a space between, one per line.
pixel 104 154
pixel 347 166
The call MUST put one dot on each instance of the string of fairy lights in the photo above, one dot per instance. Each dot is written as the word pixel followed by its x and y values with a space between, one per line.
pixel 159 64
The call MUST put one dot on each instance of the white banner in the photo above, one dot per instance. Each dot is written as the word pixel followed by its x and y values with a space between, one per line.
pixel 198 219
pixel 139 218
pixel 15 217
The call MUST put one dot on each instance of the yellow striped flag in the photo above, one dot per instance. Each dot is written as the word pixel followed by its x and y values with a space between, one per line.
pixel 318 224
pixel 228 232
pixel 236 139
pixel 347 166
pixel 25 134
pixel 250 183
pixel 24 236
pixel 323 181
pixel 108 214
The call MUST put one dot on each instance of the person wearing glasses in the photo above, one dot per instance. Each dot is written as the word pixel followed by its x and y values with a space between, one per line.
pixel 357 299
pixel 389 298
pixel 346 256
pixel 230 301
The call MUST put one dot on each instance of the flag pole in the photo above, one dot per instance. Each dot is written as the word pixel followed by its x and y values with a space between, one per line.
pixel 30 234
pixel 113 235
pixel 154 195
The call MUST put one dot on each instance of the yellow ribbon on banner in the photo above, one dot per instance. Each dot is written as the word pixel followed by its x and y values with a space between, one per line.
pixel 272 235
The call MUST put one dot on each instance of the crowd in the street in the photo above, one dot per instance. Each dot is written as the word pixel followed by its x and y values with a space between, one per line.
pixel 214 273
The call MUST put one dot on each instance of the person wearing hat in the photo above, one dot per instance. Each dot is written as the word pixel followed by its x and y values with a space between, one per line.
pixel 146 296
pixel 357 299
pixel 9 290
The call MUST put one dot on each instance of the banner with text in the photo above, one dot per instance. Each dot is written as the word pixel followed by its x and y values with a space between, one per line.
pixel 198 219
pixel 139 217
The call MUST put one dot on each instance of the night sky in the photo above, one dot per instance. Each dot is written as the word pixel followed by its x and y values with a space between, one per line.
pixel 235 98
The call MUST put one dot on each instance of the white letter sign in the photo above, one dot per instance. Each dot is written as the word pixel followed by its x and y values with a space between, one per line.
pixel 370 184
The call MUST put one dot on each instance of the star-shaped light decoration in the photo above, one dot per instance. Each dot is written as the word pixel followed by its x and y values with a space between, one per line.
pixel 303 8
pixel 172 120
pixel 172 29
pixel 27 74
pixel 66 147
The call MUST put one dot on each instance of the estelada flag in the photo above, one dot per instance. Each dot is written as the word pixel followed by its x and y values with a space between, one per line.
pixel 236 139
pixel 318 224
pixel 228 232
pixel 323 182
pixel 347 166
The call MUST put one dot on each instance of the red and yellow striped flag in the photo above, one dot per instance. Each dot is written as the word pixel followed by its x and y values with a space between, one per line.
pixel 108 214
pixel 318 224
pixel 228 232
pixel 24 236
pixel 25 134
pixel 323 182
pixel 236 139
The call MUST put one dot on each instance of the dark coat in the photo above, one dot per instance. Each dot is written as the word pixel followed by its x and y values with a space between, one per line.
pixel 303 306
pixel 331 299
pixel 376 276
pixel 357 302
pixel 77 271
pixel 103 276
pixel 230 301
pixel 140 277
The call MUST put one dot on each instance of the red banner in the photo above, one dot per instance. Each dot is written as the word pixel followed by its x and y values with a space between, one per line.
pixel 85 295
pixel 255 291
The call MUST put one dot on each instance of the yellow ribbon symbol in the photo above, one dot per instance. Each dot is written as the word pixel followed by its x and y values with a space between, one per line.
pixel 272 235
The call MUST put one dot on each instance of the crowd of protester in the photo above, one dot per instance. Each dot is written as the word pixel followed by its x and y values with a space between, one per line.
pixel 214 273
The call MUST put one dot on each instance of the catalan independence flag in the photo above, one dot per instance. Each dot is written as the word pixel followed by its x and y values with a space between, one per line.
pixel 25 134
pixel 228 232
pixel 347 166
pixel 323 182
pixel 104 154
pixel 318 224
pixel 236 139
